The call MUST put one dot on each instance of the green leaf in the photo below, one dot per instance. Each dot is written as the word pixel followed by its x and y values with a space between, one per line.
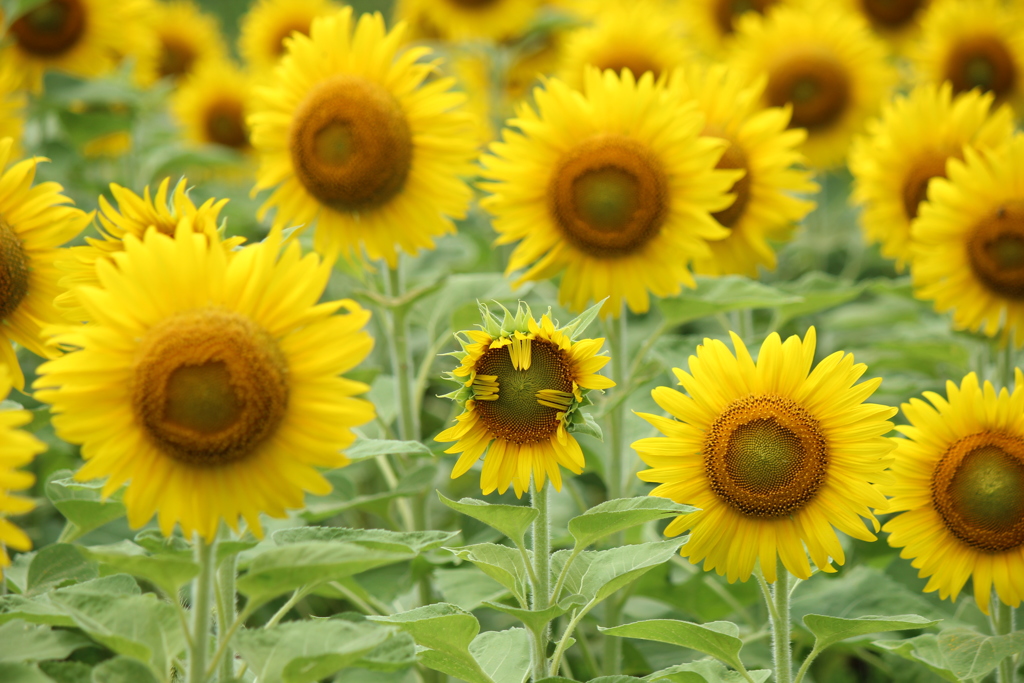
pixel 719 295
pixel 14 672
pixel 719 639
pixel 587 426
pixel 969 654
pixel 623 513
pixel 42 610
pixel 369 448
pixel 503 655
pixel 59 564
pixel 859 591
pixel 706 671
pixel 379 539
pixel 923 650
pixel 81 504
pixel 503 564
pixel 818 292
pixel 830 630
pixel 597 574
pixel 283 569
pixel 307 651
pixel 22 642
pixel 123 670
pixel 467 587
pixel 538 621
pixel 158 544
pixel 344 498
pixel 511 520
pixel 395 654
pixel 169 572
pixel 67 672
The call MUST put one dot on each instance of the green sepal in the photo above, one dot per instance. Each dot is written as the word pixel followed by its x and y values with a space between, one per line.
pixel 580 323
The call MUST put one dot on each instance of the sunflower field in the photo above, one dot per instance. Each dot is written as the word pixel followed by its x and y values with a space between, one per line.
pixel 509 341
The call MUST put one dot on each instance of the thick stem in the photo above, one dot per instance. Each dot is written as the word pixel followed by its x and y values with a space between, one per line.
pixel 1002 623
pixel 226 614
pixel 781 650
pixel 401 363
pixel 202 591
pixel 542 574
pixel 1004 362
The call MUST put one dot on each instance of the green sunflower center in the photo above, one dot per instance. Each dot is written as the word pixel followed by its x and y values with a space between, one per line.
pixel 734 158
pixel 50 29
pixel 815 84
pixel 521 385
pixel 176 57
pixel 726 11
pixel 225 124
pixel 14 271
pixel 891 14
pixel 765 456
pixel 978 491
pixel 351 145
pixel 984 62
pixel 209 386
pixel 996 251
pixel 609 196
pixel 915 185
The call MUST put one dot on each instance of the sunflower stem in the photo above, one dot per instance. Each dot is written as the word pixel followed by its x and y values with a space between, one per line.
pixel 542 574
pixel 777 597
pixel 401 365
pixel 202 591
pixel 226 614
pixel 1002 624
pixel 1004 364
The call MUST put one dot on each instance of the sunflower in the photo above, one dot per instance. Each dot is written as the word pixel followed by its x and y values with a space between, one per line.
pixel 17 448
pixel 760 145
pixel 614 186
pixel 897 21
pixel 959 482
pixel 824 62
pixel 186 38
pixel 774 454
pixel 974 44
pixel 211 103
pixel 12 104
pixel 354 139
pixel 214 397
pixel 711 24
pixel 522 384
pixel 135 215
pixel 907 146
pixel 34 222
pixel 489 20
pixel 968 241
pixel 268 22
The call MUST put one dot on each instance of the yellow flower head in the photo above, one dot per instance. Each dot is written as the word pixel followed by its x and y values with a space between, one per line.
pixel 958 481
pixel 711 24
pixel 490 20
pixel 268 22
pixel 212 396
pixel 211 105
pixel 896 21
pixel 522 383
pixel 186 38
pixel 777 454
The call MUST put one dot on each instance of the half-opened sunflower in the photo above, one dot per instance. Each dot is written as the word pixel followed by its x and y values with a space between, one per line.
pixel 523 382
pixel 777 454
pixel 268 22
pixel 210 383
pixel 17 448
pixel 958 479
pixel 354 138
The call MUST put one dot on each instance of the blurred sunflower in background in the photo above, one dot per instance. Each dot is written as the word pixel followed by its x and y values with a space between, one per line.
pixel 907 146
pixel 186 38
pixel 897 21
pixel 211 103
pixel 958 481
pixel 612 187
pixel 353 137
pixel 825 63
pixel 12 104
pixel 777 454
pixel 212 397
pixel 17 448
pixel 711 24
pixel 268 22
pixel 461 20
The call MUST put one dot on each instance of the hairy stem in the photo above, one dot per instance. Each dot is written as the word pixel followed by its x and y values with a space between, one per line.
pixel 1002 623
pixel 542 574
pixel 202 591
pixel 226 614
pixel 777 599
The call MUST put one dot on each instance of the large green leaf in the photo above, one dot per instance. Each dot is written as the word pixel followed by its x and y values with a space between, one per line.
pixel 57 565
pixel 16 672
pixel 537 621
pixel 307 651
pixel 68 672
pixel 922 650
pixel 41 609
pixel 370 448
pixel 830 630
pixel 859 591
pixel 395 654
pixel 169 572
pixel 379 539
pixel 123 670
pixel 467 587
pixel 969 654
pixel 504 655
pixel 81 504
pixel 23 642
pixel 613 516
pixel 720 639
pixel 719 295
pixel 818 292
pixel 511 520
pixel 503 564
pixel 344 496
pixel 706 671
pixel 597 574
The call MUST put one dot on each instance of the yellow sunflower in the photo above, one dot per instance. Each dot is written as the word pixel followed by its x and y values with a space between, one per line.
pixel 896 21
pixel 711 24
pixel 186 38
pixel 211 105
pixel 777 455
pixel 760 145
pixel 17 448
pixel 353 137
pixel 907 146
pixel 135 215
pixel 214 397
pixel 522 384
pixel 34 222
pixel 824 62
pixel 613 187
pixel 958 480
pixel 490 20
pixel 974 44
pixel 268 22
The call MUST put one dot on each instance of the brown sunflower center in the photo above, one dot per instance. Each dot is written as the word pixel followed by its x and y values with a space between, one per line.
pixel 891 13
pixel 978 490
pixel 474 4
pixel 176 57
pixel 983 62
pixel 225 124
pixel 726 11
pixel 50 29
pixel 13 271
pixel 277 44
pixel 609 196
pixel 516 415
pixel 734 158
pixel 817 86
pixel 209 386
pixel 915 185
pixel 996 251
pixel 350 144
pixel 765 456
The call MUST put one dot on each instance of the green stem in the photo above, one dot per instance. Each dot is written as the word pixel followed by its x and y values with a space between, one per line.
pixel 1002 624
pixel 563 643
pixel 401 364
pixel 542 574
pixel 1004 362
pixel 223 647
pixel 777 599
pixel 202 591
pixel 226 614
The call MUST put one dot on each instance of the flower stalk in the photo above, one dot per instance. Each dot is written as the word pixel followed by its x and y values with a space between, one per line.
pixel 777 599
pixel 541 574
pixel 202 593
pixel 616 476
pixel 1002 624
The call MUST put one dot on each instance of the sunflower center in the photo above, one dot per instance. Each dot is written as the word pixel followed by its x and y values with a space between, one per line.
pixel 726 11
pixel 13 271
pixel 891 13
pixel 176 57
pixel 50 29
pixel 225 124
pixel 996 251
pixel 915 186
pixel 765 456
pixel 277 45
pixel 978 490
pixel 817 86
pixel 474 4
pixel 609 196
pixel 516 414
pixel 209 386
pixel 983 62
pixel 734 158
pixel 350 144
